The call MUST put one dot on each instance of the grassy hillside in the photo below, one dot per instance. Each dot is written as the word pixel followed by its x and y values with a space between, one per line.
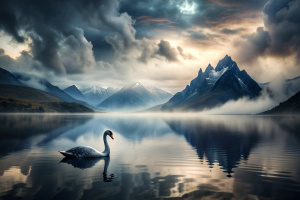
pixel 15 98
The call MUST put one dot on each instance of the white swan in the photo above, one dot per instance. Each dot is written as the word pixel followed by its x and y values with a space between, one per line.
pixel 89 152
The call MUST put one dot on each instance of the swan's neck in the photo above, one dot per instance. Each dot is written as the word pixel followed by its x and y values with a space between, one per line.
pixel 106 149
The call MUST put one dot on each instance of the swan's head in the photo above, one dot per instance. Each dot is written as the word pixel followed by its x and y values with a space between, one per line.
pixel 108 132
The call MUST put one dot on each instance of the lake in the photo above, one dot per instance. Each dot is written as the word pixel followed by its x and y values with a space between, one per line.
pixel 157 156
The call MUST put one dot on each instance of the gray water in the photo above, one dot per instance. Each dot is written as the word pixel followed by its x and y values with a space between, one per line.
pixel 152 157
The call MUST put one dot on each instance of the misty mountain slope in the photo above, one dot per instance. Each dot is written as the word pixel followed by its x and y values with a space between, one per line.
pixel 289 87
pixel 14 98
pixel 7 78
pixel 95 95
pixel 214 87
pixel 74 92
pixel 26 93
pixel 292 86
pixel 134 97
pixel 43 84
pixel 290 106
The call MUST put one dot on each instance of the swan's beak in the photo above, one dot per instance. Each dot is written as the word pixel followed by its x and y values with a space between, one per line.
pixel 112 137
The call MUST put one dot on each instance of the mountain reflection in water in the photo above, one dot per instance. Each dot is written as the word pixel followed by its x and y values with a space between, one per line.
pixel 152 157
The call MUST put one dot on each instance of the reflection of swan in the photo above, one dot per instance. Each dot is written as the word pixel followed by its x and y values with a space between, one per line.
pixel 89 152
pixel 84 163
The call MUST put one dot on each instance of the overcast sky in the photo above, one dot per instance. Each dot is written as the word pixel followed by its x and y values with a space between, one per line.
pixel 160 43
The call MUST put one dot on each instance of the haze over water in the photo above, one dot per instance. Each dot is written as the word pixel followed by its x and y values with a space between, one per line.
pixel 152 157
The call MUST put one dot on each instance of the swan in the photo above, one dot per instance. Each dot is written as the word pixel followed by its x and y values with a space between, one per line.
pixel 89 152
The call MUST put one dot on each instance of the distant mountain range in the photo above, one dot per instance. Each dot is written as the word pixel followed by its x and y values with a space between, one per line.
pixel 16 98
pixel 129 98
pixel 212 87
pixel 135 97
pixel 215 87
pixel 92 95
pixel 290 106
pixel 96 95
pixel 44 85
pixel 74 92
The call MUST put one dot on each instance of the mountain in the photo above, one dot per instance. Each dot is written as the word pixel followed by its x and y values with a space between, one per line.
pixel 95 95
pixel 74 92
pixel 15 98
pixel 290 106
pixel 288 88
pixel 43 84
pixel 292 86
pixel 135 97
pixel 7 78
pixel 214 87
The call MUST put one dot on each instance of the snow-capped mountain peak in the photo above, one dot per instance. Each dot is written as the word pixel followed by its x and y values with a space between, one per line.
pixel 134 97
pixel 215 86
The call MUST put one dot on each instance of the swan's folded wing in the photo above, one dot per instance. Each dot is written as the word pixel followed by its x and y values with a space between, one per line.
pixel 83 152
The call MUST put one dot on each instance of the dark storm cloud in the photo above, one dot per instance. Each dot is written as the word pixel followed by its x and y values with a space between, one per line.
pixel 51 25
pixel 165 50
pixel 283 24
pixel 256 45
pixel 9 22
pixel 281 36
pixel 102 50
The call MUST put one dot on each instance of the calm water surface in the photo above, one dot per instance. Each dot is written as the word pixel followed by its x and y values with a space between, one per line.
pixel 152 157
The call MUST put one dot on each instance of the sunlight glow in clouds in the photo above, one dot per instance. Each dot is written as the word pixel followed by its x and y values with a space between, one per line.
pixel 187 7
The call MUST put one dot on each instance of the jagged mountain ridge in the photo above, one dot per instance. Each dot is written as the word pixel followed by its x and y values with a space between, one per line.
pixel 95 95
pixel 214 87
pixel 74 92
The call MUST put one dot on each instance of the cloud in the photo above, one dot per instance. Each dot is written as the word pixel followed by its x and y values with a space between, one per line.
pixel 271 96
pixel 184 55
pixel 53 30
pixel 243 106
pixel 249 4
pixel 76 53
pixel 198 35
pixel 280 35
pixel 254 45
pixel 165 50
pixel 148 19
pixel 23 63
pixel 231 31
pixel 184 14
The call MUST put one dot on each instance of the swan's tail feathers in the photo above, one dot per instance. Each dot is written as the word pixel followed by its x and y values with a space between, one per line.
pixel 66 154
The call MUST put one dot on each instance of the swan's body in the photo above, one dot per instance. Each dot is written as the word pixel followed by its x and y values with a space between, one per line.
pixel 89 152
